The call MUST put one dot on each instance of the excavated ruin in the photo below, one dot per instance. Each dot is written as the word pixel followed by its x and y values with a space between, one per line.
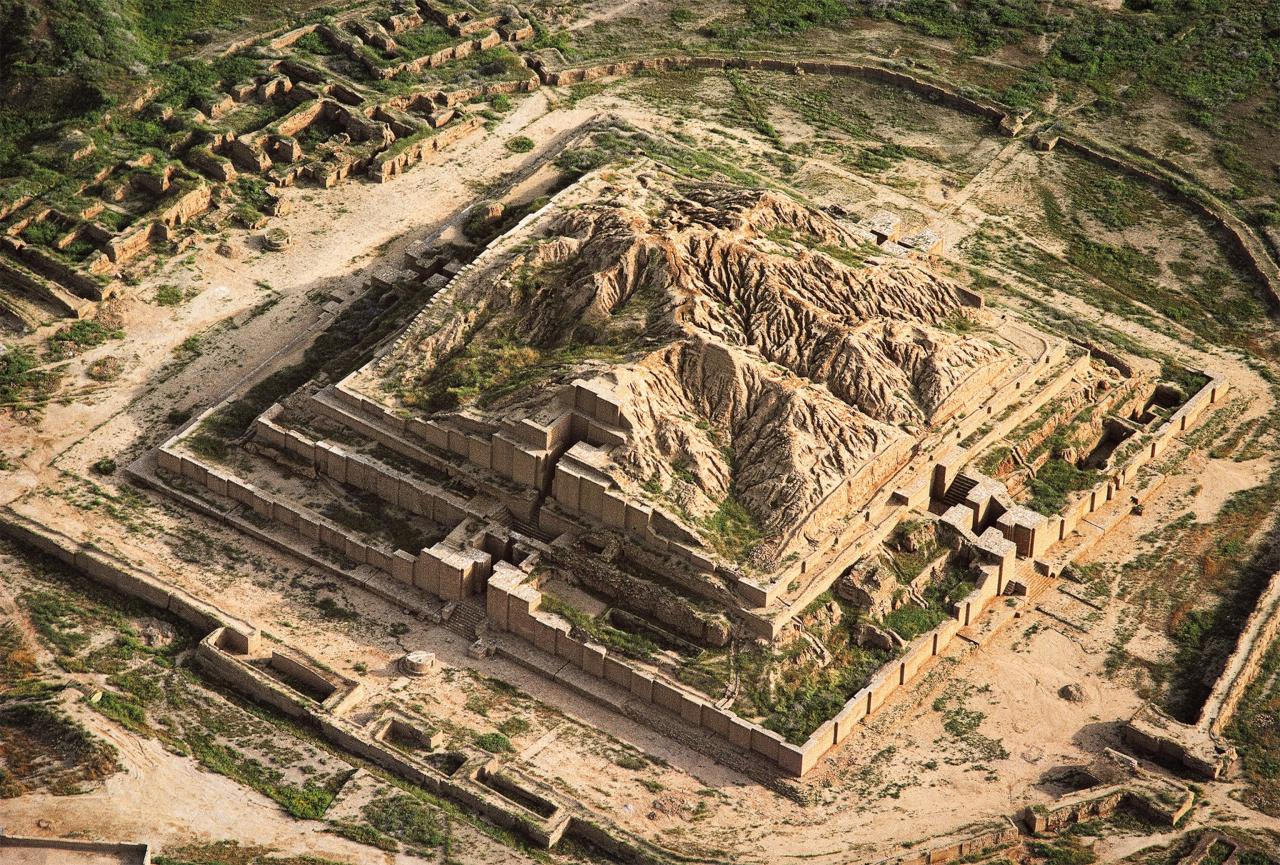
pixel 762 353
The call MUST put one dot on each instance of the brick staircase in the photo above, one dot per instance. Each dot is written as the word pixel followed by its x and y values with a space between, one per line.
pixel 466 617
pixel 958 490
pixel 1033 583
pixel 532 531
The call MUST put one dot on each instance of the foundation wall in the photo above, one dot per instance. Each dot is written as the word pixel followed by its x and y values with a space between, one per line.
pixel 1000 834
pixel 348 467
pixel 441 570
pixel 513 606
pixel 121 576
pixel 1241 668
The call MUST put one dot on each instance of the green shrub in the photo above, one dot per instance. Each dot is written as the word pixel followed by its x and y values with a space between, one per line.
pixel 520 144
pixel 494 743
pixel 168 295
pixel 795 16
pixel 910 621
pixel 733 531
pixel 74 338
pixel 405 818
pixel 126 712
pixel 104 466
pixel 514 726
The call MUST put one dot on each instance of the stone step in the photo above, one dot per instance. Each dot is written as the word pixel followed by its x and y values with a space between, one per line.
pixel 464 618
pixel 959 488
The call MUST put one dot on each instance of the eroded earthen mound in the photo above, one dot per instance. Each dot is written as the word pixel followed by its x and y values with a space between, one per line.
pixel 760 360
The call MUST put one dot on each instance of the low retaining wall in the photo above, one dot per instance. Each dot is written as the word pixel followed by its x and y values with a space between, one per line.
pixel 48 850
pixel 872 73
pixel 442 570
pixel 513 605
pixel 1241 668
pixel 1001 834
pixel 104 568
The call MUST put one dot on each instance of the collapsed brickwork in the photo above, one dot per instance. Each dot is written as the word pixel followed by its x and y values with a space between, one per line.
pixel 310 105
pixel 507 489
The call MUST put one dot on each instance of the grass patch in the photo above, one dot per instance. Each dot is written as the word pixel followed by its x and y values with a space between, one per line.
pixel 72 339
pixel 632 645
pixel 494 743
pixel 910 621
pixel 1054 481
pixel 732 531
pixel 407 819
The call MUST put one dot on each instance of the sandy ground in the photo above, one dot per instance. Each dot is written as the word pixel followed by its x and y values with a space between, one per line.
pixel 137 803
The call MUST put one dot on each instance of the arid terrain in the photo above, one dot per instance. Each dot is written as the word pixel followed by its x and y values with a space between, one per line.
pixel 642 432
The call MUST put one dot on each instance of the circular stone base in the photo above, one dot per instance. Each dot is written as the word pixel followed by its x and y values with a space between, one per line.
pixel 418 663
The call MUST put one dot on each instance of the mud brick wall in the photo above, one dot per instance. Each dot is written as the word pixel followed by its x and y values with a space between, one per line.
pixel 24 279
pixel 970 392
pixel 396 159
pixel 121 576
pixel 50 267
pixel 875 74
pixel 1241 668
pixel 513 604
pixel 1001 834
pixel 123 853
pixel 218 167
pixel 357 470
pixel 442 570
pixel 521 502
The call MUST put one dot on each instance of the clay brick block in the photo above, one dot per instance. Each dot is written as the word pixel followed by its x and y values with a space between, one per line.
pixel 217 482
pixel 524 467
pixel 765 743
pixel 481 453
pixel 568 648
pixel 356 551
pixel 642 685
pixel 593 659
pixel 169 461
pixel 308 528
pixel 520 622
pixel 715 720
pixel 502 455
pixel 402 566
pixel 667 697
pixel 591 502
pixel 691 709
pixel 458 443
pixel 437 436
pixel 565 486
pixel 426 572
pixel 614 511
pixel 791 759
pixel 496 606
pixel 617 672
pixel 637 518
pixel 545 635
pixel 283 514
